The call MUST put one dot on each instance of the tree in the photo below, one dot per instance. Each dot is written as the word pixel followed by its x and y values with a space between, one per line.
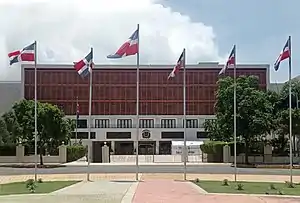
pixel 4 134
pixel 284 93
pixel 284 123
pixel 254 110
pixel 52 127
pixel 12 127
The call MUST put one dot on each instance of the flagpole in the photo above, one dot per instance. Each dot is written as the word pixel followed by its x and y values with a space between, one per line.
pixel 76 119
pixel 90 115
pixel 35 112
pixel 184 115
pixel 137 105
pixel 290 109
pixel 234 116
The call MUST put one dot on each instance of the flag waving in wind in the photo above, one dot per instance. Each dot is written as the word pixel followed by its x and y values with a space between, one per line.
pixel 84 66
pixel 26 54
pixel 129 48
pixel 284 54
pixel 178 66
pixel 230 61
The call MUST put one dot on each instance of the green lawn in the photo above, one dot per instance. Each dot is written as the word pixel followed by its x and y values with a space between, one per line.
pixel 249 188
pixel 44 187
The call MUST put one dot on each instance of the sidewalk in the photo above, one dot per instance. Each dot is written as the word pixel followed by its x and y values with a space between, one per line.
pixel 153 176
pixel 82 163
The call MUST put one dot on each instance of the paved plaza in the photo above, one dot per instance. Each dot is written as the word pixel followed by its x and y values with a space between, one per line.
pixel 152 188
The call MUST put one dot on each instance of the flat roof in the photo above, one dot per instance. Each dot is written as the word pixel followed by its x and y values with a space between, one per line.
pixel 212 65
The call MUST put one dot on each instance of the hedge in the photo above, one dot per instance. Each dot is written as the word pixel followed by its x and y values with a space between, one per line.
pixel 8 150
pixel 75 152
pixel 213 147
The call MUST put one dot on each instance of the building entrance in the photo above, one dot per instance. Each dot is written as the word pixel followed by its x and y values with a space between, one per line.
pixel 124 148
pixel 165 147
pixel 147 147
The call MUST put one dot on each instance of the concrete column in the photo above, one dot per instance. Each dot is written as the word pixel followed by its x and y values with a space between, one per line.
pixel 134 147
pixel 112 145
pixel 268 158
pixel 105 154
pixel 226 154
pixel 20 153
pixel 157 147
pixel 62 153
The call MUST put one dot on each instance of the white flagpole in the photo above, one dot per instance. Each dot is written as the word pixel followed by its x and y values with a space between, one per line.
pixel 290 109
pixel 35 112
pixel 90 115
pixel 234 116
pixel 137 105
pixel 184 115
pixel 76 119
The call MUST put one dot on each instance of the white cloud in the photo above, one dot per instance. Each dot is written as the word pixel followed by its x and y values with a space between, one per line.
pixel 66 29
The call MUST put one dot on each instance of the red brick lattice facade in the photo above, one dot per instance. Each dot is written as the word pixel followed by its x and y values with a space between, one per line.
pixel 114 89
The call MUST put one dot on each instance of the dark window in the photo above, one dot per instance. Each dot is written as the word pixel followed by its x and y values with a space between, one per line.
pixel 101 123
pixel 83 135
pixel 168 123
pixel 172 135
pixel 146 123
pixel 192 123
pixel 124 123
pixel 81 123
pixel 202 134
pixel 118 135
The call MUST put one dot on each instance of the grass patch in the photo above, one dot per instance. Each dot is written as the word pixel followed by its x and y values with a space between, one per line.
pixel 249 188
pixel 41 187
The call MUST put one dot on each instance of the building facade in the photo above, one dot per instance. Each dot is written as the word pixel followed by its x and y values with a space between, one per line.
pixel 114 101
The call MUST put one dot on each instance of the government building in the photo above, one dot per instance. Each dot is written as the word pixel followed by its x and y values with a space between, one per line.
pixel 114 101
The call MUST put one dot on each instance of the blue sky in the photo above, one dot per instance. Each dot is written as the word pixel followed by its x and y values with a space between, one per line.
pixel 259 28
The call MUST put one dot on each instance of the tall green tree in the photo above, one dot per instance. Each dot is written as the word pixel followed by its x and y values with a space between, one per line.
pixel 53 128
pixel 284 124
pixel 254 110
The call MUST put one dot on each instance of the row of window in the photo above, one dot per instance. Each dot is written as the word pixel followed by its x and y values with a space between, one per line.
pixel 143 123
pixel 127 135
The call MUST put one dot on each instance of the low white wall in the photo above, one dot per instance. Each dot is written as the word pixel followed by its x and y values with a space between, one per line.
pixel 260 159
pixel 153 158
pixel 8 159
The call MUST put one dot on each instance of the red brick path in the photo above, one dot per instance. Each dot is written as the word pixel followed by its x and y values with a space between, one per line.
pixel 168 191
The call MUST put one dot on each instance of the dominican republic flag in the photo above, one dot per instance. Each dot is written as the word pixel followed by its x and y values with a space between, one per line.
pixel 84 66
pixel 178 66
pixel 129 48
pixel 284 54
pixel 26 54
pixel 230 61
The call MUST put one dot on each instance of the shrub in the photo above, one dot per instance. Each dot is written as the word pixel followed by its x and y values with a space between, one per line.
pixel 213 147
pixel 272 186
pixel 240 186
pixel 279 192
pixel 8 150
pixel 289 184
pixel 40 180
pixel 31 185
pixel 225 182
pixel 197 180
pixel 75 152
